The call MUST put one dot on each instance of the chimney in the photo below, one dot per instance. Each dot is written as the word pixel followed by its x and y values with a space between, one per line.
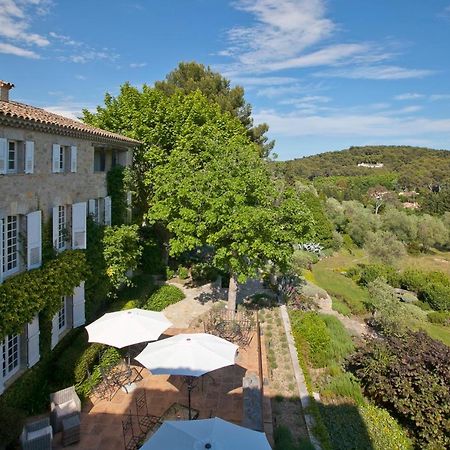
pixel 4 90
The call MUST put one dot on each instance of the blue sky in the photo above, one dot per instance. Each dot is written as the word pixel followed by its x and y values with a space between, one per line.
pixel 323 74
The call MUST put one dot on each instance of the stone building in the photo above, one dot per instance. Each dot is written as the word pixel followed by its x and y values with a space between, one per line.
pixel 52 171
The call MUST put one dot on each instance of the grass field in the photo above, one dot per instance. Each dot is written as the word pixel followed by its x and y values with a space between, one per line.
pixel 346 293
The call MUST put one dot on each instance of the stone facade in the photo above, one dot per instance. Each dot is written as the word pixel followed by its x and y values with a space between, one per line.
pixel 22 193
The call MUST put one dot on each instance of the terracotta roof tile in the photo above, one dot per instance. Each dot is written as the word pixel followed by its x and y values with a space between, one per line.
pixel 39 116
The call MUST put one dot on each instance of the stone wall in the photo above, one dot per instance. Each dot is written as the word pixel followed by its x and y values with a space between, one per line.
pixel 22 193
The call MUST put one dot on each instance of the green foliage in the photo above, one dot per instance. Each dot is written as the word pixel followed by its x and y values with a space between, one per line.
pixel 341 307
pixel 371 272
pixel 343 385
pixel 401 224
pixel 204 272
pixel 328 341
pixel 410 377
pixel 285 441
pixel 151 259
pixel 414 167
pixel 191 76
pixel 23 296
pixel 183 272
pixel 436 203
pixel 431 231
pixel 163 297
pixel 302 259
pixel 117 192
pixel 11 423
pixel 122 250
pixel 384 431
pixel 439 317
pixel 323 227
pixel 383 246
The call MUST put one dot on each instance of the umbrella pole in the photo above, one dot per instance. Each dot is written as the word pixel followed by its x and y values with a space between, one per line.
pixel 190 386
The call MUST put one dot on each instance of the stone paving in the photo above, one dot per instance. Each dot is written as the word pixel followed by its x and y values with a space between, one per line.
pixel 221 395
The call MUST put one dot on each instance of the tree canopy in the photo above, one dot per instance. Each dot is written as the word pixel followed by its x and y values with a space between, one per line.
pixel 191 76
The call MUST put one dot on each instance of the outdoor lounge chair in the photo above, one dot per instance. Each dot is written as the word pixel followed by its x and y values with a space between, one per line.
pixel 37 435
pixel 62 404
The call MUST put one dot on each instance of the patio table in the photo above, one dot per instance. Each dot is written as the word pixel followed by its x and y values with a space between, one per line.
pixel 176 411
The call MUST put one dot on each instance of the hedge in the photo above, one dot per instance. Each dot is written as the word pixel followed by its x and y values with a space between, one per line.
pixel 163 297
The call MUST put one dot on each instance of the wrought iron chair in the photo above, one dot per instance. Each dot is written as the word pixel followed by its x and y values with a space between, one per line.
pixel 130 439
pixel 145 420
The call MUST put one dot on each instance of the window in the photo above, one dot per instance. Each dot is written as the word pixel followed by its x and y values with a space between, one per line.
pixel 62 231
pixel 11 244
pixel 99 161
pixel 10 355
pixel 62 152
pixel 12 156
pixel 62 315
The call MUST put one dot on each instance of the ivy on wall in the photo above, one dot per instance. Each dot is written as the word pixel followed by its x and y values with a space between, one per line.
pixel 116 190
pixel 23 296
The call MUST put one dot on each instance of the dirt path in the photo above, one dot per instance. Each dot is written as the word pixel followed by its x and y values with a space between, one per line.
pixel 354 327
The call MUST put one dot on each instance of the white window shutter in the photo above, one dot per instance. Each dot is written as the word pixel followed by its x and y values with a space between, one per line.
pixel 29 157
pixel 73 158
pixel 55 158
pixel 3 155
pixel 33 341
pixel 55 331
pixel 78 306
pixel 34 240
pixel 79 225
pixel 108 210
pixel 55 231
pixel 1 252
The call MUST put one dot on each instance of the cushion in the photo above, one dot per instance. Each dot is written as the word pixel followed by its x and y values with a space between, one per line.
pixel 39 433
pixel 66 408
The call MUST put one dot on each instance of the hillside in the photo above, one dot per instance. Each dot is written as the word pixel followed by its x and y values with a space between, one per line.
pixel 414 167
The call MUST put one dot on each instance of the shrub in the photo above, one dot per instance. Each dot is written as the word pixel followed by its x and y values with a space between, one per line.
pixel 11 423
pixel 422 305
pixel 439 317
pixel 302 259
pixel 163 297
pixel 384 431
pixel 183 272
pixel 343 385
pixel 371 272
pixel 410 377
pixel 341 307
pixel 170 273
pixel 310 328
pixel 437 296
pixel 204 273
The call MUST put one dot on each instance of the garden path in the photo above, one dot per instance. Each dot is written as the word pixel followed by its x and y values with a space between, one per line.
pixel 353 326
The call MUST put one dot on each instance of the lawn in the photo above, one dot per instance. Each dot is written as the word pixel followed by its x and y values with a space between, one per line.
pixel 327 274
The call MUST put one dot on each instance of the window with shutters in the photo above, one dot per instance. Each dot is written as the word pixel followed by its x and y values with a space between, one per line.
pixel 99 160
pixel 62 228
pixel 10 352
pixel 12 157
pixel 10 244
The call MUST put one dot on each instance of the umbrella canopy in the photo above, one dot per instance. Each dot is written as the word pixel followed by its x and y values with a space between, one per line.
pixel 190 355
pixel 212 434
pixel 128 327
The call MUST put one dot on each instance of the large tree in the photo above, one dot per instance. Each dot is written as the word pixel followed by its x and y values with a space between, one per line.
pixel 201 179
pixel 191 76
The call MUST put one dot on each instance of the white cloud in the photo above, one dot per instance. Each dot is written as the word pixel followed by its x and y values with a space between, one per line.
pixel 377 72
pixel 292 34
pixel 351 125
pixel 66 40
pixel 409 96
pixel 80 77
pixel 17 51
pixel 436 97
pixel 15 22
pixel 262 81
pixel 137 65
pixel 89 54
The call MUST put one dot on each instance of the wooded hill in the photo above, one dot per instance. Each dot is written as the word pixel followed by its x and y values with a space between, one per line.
pixel 414 167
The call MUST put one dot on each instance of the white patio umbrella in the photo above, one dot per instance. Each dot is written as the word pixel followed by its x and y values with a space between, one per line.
pixel 189 355
pixel 212 434
pixel 131 326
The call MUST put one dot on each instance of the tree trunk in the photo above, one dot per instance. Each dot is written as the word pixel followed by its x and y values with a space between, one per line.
pixel 232 293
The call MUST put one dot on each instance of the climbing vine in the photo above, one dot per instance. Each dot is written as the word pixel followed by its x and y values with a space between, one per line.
pixel 116 190
pixel 28 293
